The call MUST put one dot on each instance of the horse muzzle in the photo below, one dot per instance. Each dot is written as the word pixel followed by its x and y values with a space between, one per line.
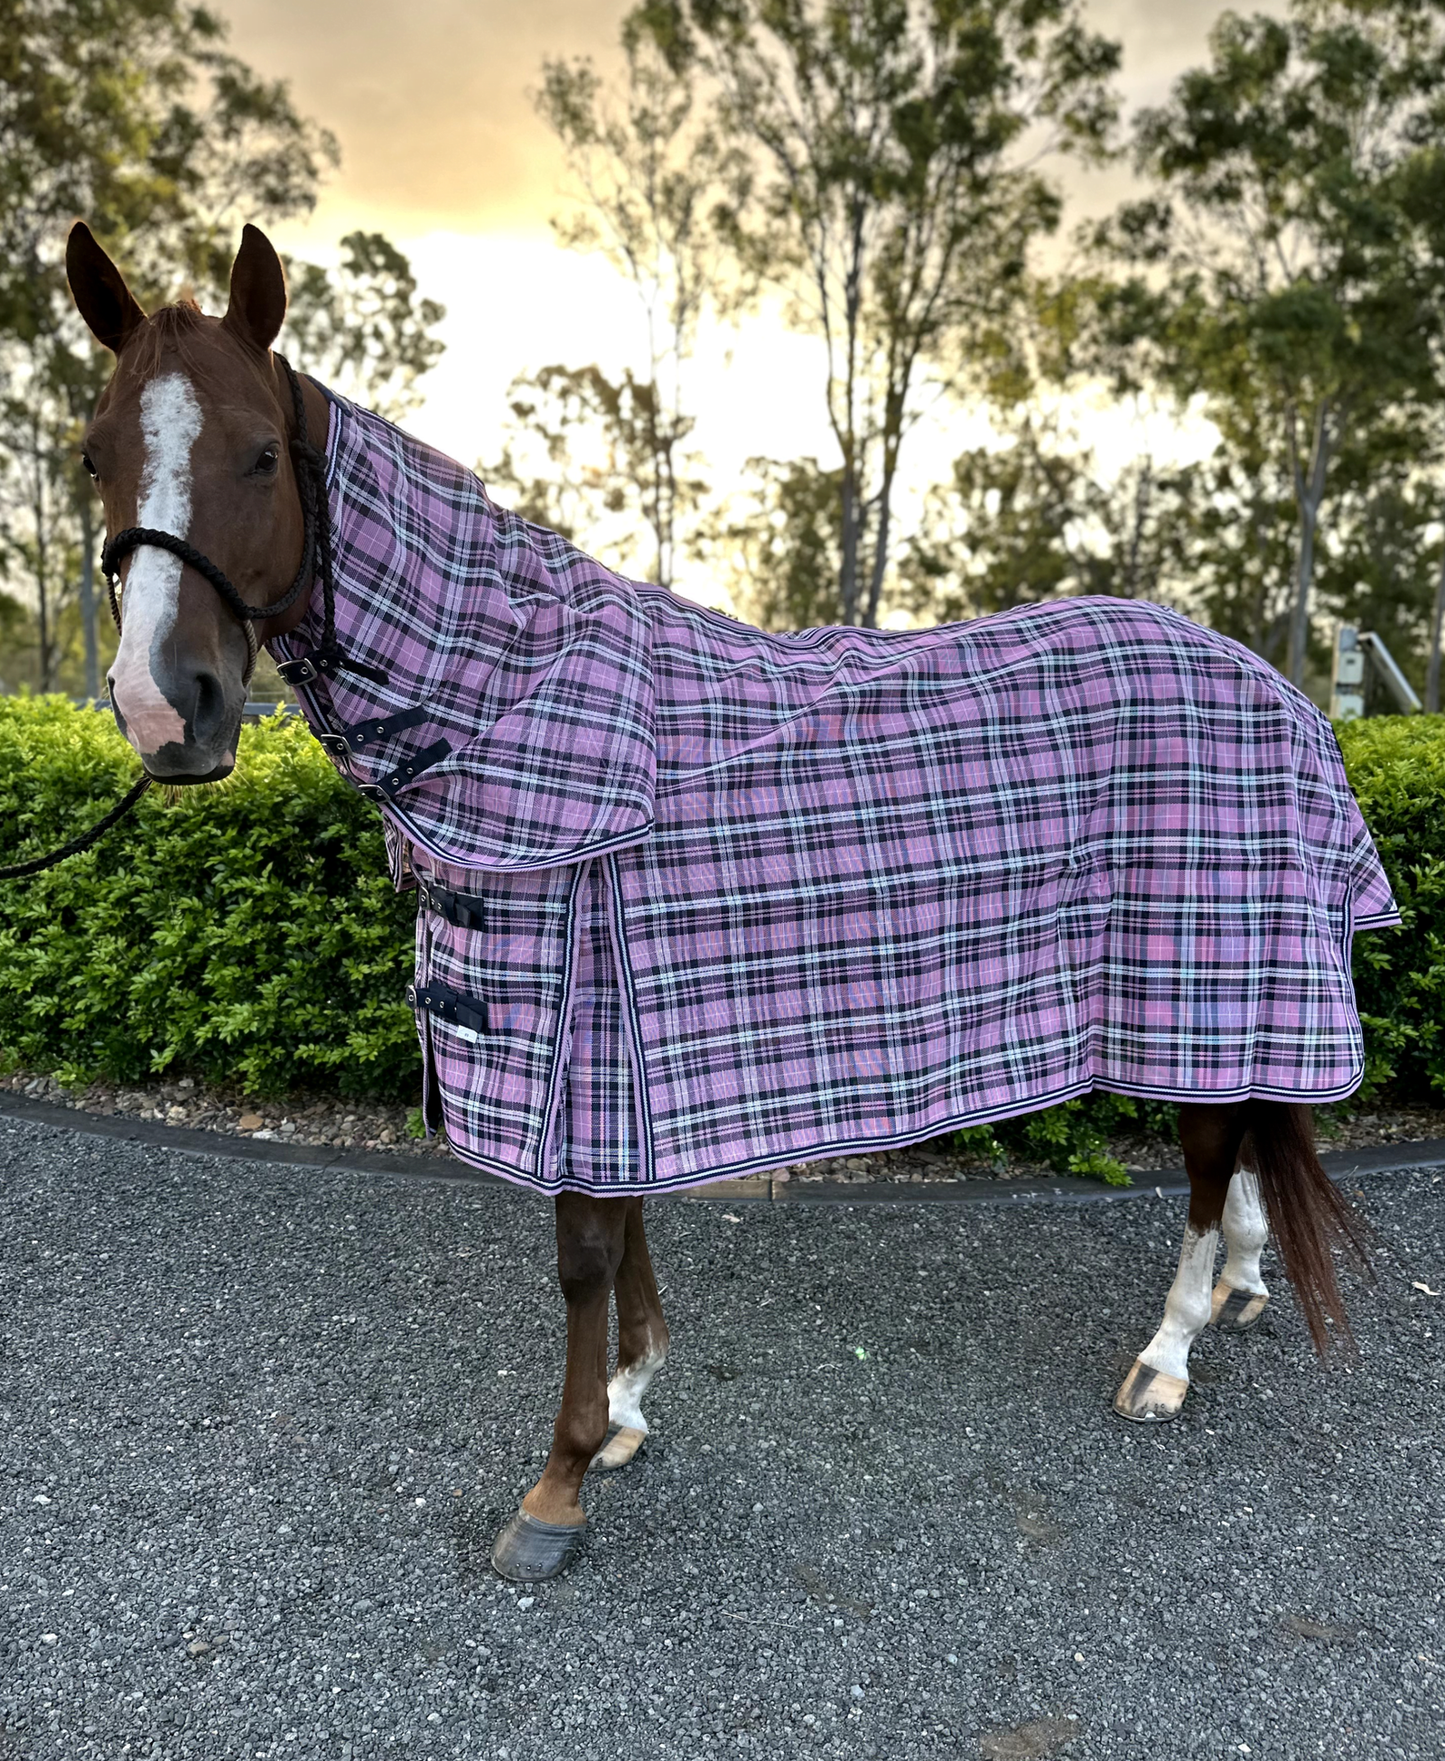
pixel 185 730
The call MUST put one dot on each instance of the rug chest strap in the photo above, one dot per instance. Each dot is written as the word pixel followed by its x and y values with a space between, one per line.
pixel 324 663
pixel 406 771
pixel 465 910
pixel 449 1005
pixel 359 735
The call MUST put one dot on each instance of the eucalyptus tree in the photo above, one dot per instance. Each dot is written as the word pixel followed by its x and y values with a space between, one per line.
pixel 582 453
pixel 1289 256
pixel 649 169
pixel 134 114
pixel 775 543
pixel 1035 518
pixel 363 327
pixel 897 152
pixel 1383 552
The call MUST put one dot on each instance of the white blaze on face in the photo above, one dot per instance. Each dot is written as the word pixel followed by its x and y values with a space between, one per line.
pixel 170 424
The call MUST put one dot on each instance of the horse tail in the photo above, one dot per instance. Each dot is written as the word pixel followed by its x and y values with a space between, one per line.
pixel 1308 1214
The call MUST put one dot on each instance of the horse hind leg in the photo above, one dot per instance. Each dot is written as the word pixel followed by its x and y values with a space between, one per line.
pixel 1155 1386
pixel 642 1341
pixel 1241 1294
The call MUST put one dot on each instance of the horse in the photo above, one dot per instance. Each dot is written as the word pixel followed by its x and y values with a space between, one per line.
pixel 223 474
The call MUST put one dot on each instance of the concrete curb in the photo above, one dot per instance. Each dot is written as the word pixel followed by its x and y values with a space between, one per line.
pixel 1342 1166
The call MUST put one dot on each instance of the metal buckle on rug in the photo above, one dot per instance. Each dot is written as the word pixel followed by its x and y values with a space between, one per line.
pixel 465 910
pixel 467 1014
pixel 406 773
pixel 322 663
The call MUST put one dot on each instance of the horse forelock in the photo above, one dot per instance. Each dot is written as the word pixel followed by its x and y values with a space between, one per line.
pixel 214 360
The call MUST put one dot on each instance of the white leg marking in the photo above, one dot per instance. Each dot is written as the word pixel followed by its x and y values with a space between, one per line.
pixel 1245 1230
pixel 170 425
pixel 626 1389
pixel 1187 1307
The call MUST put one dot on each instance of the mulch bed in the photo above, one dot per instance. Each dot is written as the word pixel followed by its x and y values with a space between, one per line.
pixel 373 1125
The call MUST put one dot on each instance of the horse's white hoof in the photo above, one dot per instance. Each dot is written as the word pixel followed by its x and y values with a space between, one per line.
pixel 1149 1397
pixel 620 1447
pixel 1236 1311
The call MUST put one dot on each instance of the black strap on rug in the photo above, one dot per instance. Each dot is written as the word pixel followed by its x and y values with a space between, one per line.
pixel 360 735
pixel 438 999
pixel 465 910
pixel 405 772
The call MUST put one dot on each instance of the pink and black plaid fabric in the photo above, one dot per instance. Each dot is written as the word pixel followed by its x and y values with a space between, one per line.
pixel 748 898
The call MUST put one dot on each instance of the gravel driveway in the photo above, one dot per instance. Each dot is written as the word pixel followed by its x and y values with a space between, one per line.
pixel 258 1425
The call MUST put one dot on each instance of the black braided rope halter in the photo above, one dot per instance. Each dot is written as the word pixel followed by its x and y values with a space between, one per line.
pixel 309 465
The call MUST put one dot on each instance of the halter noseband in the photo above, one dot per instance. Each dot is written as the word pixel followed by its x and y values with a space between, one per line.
pixel 310 467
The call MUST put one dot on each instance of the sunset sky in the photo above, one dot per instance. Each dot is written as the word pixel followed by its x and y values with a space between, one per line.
pixel 441 151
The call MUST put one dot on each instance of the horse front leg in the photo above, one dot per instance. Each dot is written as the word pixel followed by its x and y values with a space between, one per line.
pixel 540 1540
pixel 642 1340
pixel 1155 1387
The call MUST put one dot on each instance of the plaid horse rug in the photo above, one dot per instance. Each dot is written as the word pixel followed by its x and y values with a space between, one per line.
pixel 698 900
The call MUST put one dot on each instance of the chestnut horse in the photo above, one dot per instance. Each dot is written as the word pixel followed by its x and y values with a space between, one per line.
pixel 196 436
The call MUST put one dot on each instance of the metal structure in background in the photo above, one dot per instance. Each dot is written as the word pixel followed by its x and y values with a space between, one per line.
pixel 253 712
pixel 1361 661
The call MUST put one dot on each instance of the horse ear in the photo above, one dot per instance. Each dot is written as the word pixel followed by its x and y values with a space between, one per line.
pixel 99 290
pixel 258 290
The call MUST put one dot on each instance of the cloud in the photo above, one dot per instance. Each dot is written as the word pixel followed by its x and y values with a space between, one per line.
pixel 442 151
pixel 429 101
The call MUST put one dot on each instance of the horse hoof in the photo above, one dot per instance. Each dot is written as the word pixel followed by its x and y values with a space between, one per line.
pixel 1236 1311
pixel 620 1447
pixel 1148 1397
pixel 528 1551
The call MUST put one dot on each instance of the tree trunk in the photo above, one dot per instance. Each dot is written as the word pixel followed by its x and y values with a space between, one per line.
pixel 848 573
pixel 1309 493
pixel 1142 490
pixel 42 567
pixel 880 555
pixel 1432 676
pixel 1304 580
pixel 87 595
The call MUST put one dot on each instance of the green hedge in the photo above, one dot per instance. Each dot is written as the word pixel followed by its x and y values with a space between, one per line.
pixel 1396 766
pixel 248 932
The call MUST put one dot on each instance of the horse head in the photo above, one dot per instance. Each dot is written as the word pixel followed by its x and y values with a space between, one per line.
pixel 191 438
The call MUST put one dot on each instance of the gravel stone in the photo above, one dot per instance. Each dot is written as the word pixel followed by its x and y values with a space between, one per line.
pixel 947 1523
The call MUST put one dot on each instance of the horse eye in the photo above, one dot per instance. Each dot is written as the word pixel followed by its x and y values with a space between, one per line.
pixel 86 460
pixel 265 466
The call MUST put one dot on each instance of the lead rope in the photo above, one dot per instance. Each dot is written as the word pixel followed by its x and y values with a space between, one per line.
pixel 310 468
pixel 17 870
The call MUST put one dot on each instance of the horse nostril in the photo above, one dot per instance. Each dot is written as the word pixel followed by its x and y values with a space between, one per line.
pixel 209 715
